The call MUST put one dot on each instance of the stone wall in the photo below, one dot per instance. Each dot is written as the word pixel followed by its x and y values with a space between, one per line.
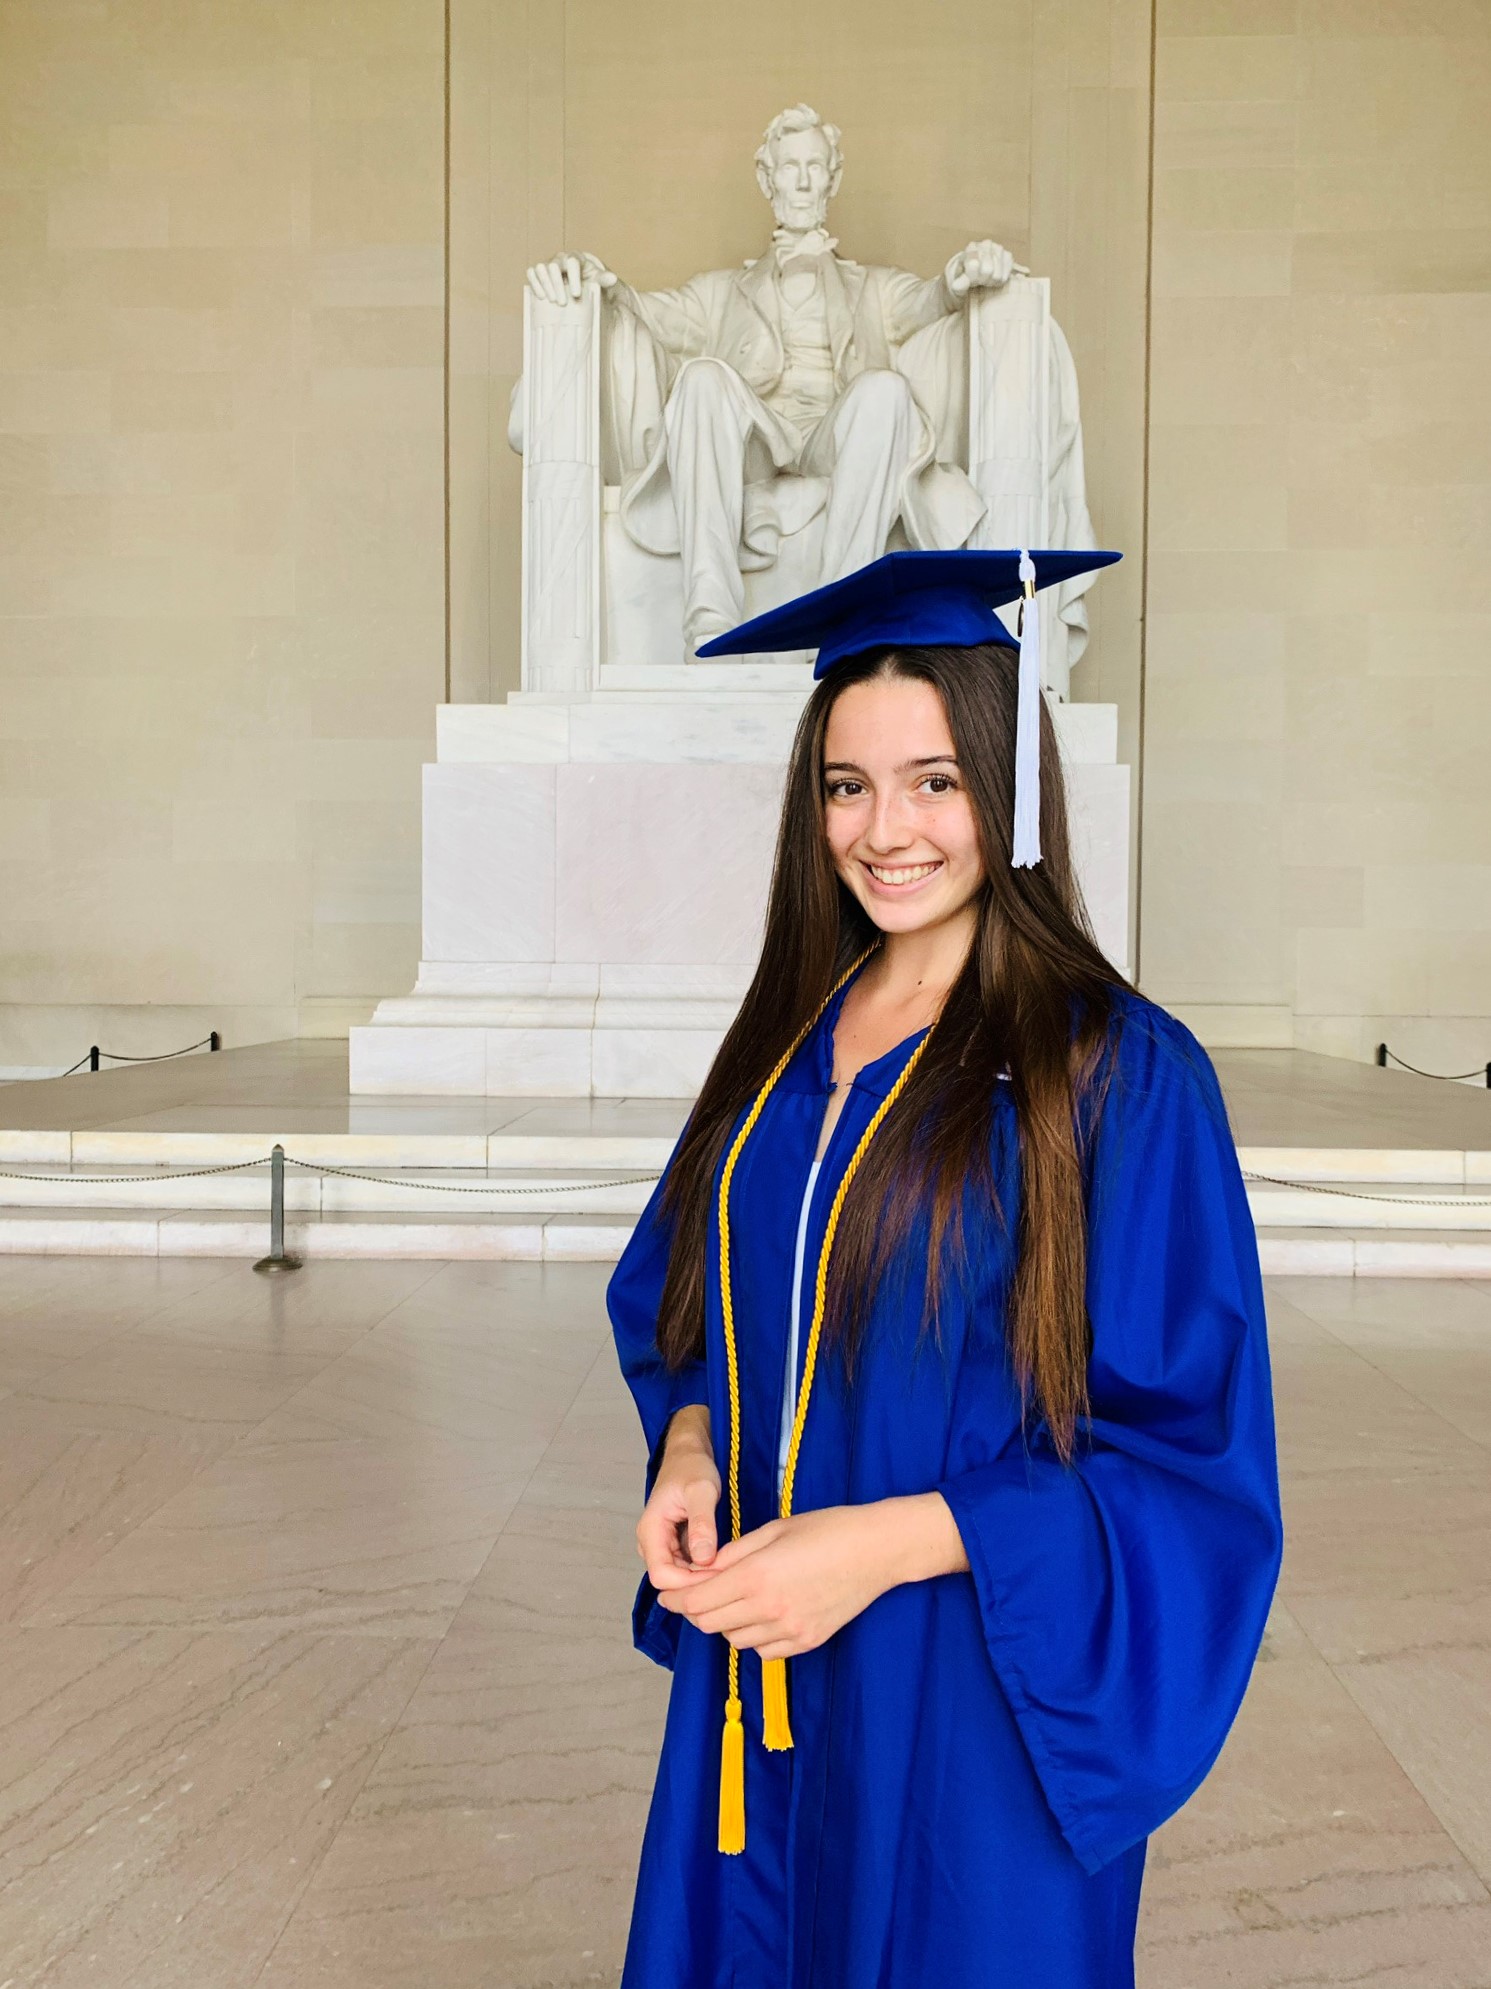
pixel 221 519
pixel 1316 820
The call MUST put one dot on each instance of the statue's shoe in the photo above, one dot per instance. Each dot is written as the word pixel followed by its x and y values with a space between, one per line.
pixel 702 628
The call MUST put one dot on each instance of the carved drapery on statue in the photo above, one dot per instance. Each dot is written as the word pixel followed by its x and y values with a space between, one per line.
pixel 874 315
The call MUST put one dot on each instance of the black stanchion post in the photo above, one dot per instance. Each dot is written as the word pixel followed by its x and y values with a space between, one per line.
pixel 93 1056
pixel 1382 1056
pixel 1488 1077
pixel 214 1041
pixel 277 1260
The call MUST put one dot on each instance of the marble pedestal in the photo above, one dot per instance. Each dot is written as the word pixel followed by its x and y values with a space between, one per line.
pixel 595 874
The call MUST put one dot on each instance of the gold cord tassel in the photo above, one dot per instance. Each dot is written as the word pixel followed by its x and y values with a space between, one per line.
pixel 776 1729
pixel 732 1779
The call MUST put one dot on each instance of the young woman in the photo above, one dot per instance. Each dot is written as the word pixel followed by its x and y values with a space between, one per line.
pixel 946 1331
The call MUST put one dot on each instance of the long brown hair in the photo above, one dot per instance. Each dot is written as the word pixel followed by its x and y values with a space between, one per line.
pixel 1035 996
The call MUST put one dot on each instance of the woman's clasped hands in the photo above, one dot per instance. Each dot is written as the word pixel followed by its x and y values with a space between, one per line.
pixel 787 1586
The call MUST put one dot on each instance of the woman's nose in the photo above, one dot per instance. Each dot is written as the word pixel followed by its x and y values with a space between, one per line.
pixel 888 828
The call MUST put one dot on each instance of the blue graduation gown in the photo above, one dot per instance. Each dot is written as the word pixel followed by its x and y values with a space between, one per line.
pixel 979 1758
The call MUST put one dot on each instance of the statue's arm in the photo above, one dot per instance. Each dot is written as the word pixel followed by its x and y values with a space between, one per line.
pixel 676 319
pixel 911 302
pixel 915 301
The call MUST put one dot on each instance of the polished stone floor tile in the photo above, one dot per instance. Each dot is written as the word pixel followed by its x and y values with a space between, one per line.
pixel 530 1742
pixel 1345 1628
pixel 1433 1347
pixel 1308 1856
pixel 480 1380
pixel 56 1310
pixel 463 1299
pixel 1340 1413
pixel 597 1461
pixel 323 1309
pixel 1290 1325
pixel 319 1536
pixel 1456 1386
pixel 1412 1312
pixel 173 1384
pixel 166 1794
pixel 524 1767
pixel 1400 1534
pixel 1434 1711
pixel 107 1292
pixel 69 1494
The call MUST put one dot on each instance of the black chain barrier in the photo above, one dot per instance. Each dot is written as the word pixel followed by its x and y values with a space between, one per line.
pixel 1366 1195
pixel 1386 1056
pixel 96 1058
pixel 277 1160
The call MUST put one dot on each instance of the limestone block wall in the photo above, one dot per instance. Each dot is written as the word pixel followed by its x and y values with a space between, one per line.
pixel 221 516
pixel 1317 813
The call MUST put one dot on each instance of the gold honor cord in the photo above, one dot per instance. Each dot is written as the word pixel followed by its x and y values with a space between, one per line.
pixel 776 1731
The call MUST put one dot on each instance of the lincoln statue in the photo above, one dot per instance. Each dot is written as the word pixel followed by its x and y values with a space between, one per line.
pixel 849 378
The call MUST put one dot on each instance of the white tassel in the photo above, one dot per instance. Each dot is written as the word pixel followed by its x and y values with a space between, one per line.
pixel 1027 829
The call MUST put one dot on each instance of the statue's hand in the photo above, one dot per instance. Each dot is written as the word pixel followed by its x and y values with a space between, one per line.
pixel 561 280
pixel 981 266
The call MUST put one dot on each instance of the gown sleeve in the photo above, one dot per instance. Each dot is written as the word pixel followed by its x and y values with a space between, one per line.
pixel 633 1297
pixel 1123 1598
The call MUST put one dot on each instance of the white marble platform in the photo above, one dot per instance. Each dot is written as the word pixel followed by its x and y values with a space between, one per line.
pixel 595 878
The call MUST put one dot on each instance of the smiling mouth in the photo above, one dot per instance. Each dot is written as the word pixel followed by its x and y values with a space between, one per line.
pixel 901 876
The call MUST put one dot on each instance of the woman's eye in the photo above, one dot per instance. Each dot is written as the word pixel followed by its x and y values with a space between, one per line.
pixel 839 788
pixel 941 783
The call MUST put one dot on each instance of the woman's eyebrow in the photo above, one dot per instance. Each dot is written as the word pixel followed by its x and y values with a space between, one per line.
pixel 906 766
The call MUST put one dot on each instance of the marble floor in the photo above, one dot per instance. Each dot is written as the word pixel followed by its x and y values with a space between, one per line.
pixel 315 1664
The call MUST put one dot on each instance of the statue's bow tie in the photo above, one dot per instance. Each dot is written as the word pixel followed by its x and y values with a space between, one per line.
pixel 793 248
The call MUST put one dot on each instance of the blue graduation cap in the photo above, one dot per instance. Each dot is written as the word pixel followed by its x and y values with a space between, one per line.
pixel 947 599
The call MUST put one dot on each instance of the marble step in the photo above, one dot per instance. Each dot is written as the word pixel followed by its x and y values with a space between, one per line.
pixel 125 1232
pixel 1398 1253
pixel 109 1149
pixel 1380 1204
pixel 473 1192
pixel 112 1148
pixel 1376 1202
pixel 595 1238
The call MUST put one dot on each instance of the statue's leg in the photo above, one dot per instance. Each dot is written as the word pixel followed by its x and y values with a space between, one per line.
pixel 709 419
pixel 863 445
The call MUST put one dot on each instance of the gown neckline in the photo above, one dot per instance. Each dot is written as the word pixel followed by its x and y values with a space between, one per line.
pixel 876 1076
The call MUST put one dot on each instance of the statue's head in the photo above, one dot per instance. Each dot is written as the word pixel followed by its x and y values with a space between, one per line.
pixel 798 167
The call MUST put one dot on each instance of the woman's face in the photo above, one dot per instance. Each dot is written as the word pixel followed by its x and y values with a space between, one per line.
pixel 898 819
